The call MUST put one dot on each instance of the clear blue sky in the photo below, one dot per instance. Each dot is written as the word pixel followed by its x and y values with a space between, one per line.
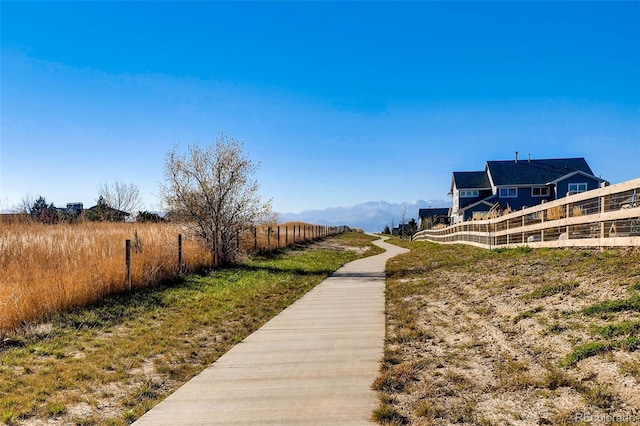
pixel 342 103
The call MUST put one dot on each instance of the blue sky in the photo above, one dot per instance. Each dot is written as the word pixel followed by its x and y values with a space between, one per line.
pixel 341 102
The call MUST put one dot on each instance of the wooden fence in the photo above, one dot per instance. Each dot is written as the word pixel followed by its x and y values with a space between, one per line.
pixel 50 268
pixel 604 217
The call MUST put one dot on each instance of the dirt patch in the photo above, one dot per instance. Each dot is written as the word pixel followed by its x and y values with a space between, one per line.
pixel 338 246
pixel 492 333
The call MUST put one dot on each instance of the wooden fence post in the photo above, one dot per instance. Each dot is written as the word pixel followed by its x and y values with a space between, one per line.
pixel 127 246
pixel 255 238
pixel 278 246
pixel 215 248
pixel 602 211
pixel 180 253
pixel 268 238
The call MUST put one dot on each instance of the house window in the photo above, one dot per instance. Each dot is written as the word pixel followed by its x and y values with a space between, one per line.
pixel 508 192
pixel 540 191
pixel 575 188
pixel 468 193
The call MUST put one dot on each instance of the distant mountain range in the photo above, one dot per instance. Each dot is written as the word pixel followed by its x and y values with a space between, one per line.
pixel 372 216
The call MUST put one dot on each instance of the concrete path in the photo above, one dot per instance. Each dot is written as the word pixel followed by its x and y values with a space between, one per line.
pixel 312 364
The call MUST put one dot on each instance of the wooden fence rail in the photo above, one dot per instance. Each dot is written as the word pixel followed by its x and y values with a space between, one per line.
pixel 604 217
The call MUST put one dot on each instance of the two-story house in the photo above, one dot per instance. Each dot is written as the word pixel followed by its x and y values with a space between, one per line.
pixel 517 184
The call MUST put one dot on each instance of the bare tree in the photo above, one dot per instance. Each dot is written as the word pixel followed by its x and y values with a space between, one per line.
pixel 26 204
pixel 403 219
pixel 121 196
pixel 40 210
pixel 212 191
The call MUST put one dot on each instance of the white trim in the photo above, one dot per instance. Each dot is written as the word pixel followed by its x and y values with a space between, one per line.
pixel 508 189
pixel 577 172
pixel 487 170
pixel 577 191
pixel 474 193
pixel 546 188
pixel 477 203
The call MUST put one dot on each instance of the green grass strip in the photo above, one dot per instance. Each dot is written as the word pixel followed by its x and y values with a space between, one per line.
pixel 527 314
pixel 619 329
pixel 550 290
pixel 174 330
pixel 588 350
pixel 585 351
pixel 630 304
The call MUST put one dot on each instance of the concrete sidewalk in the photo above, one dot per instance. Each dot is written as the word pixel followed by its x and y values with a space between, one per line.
pixel 312 364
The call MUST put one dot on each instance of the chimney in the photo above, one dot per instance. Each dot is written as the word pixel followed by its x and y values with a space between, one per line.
pixel 516 156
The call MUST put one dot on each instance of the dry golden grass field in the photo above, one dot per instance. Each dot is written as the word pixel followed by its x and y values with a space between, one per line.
pixel 49 268
pixel 111 361
pixel 520 336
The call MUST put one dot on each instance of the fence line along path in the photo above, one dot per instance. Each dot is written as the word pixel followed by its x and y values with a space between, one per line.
pixel 312 364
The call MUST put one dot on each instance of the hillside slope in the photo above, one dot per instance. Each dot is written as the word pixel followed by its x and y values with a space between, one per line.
pixel 511 337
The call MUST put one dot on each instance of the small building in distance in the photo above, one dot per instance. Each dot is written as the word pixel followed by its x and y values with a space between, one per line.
pixel 431 217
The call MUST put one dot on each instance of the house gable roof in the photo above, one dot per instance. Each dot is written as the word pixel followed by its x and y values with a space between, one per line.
pixel 535 172
pixel 489 201
pixel 424 213
pixel 471 180
pixel 110 210
pixel 577 172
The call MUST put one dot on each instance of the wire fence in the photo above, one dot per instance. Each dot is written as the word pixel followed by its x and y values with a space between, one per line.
pixel 50 268
pixel 604 217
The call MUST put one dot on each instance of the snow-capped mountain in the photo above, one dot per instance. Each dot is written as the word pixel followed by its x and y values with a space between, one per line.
pixel 372 216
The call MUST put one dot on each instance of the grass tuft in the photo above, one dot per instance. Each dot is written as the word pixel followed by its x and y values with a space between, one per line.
pixel 619 329
pixel 55 409
pixel 429 410
pixel 609 306
pixel 599 395
pixel 630 344
pixel 389 415
pixel 584 351
pixel 550 290
pixel 555 378
pixel 396 378
pixel 514 252
pixel 527 314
